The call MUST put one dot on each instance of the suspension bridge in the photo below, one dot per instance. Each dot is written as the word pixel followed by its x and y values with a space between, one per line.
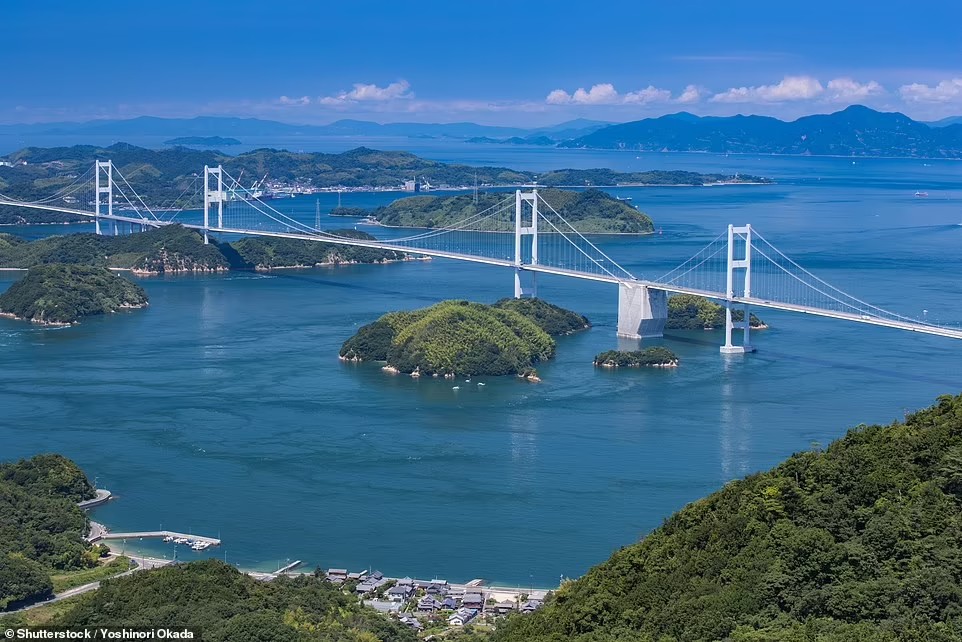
pixel 522 232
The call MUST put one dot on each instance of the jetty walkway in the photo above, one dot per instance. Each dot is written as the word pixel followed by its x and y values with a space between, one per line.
pixel 213 541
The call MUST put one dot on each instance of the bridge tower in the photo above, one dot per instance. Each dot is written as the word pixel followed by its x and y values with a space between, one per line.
pixel 103 184
pixel 738 236
pixel 642 311
pixel 216 196
pixel 523 226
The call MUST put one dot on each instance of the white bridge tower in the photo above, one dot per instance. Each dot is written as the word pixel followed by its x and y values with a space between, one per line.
pixel 217 195
pixel 525 226
pixel 738 236
pixel 104 184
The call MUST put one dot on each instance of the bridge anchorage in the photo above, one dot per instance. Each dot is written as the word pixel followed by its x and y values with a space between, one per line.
pixel 522 232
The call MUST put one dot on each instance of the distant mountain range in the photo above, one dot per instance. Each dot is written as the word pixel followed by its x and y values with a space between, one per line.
pixel 245 127
pixel 854 131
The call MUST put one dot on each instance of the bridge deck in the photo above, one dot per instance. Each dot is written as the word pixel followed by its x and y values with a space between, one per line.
pixel 911 326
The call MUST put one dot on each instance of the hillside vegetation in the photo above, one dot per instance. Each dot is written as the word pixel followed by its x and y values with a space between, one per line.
pixel 58 294
pixel 656 356
pixel 41 528
pixel 464 338
pixel 590 212
pixel 176 249
pixel 229 606
pixel 690 312
pixel 168 177
pixel 861 542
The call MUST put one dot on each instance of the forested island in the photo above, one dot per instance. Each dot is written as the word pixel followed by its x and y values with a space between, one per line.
pixel 656 356
pixel 58 294
pixel 166 177
pixel 463 338
pixel 690 312
pixel 859 542
pixel 41 529
pixel 203 141
pixel 174 249
pixel 590 212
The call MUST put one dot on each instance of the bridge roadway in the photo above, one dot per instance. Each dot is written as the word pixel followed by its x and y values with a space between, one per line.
pixel 911 326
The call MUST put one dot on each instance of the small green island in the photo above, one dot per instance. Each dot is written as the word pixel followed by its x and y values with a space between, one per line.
pixel 58 294
pixel 203 141
pixel 690 312
pixel 590 211
pixel 461 338
pixel 654 357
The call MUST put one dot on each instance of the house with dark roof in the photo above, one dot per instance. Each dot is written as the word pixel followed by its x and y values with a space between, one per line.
pixel 428 604
pixel 462 616
pixel 473 601
pixel 531 605
pixel 449 603
pixel 400 593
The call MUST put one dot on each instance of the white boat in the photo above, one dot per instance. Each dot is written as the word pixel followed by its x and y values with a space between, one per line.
pixel 921 195
pixel 169 538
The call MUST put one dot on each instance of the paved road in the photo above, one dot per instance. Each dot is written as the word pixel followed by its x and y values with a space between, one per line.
pixel 143 563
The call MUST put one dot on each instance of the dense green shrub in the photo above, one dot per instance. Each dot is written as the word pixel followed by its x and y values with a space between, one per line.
pixel 860 542
pixel 654 356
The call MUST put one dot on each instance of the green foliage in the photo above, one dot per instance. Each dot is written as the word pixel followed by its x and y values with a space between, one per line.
pixel 591 211
pixel 49 476
pixel 653 356
pixel 607 177
pixel 266 253
pixel 59 293
pixel 231 606
pixel 22 580
pixel 459 337
pixel 860 542
pixel 690 312
pixel 116 566
pixel 552 319
pixel 41 528
pixel 168 248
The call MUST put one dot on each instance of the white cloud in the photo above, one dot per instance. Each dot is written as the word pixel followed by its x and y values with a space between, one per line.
pixel 848 89
pixel 649 94
pixel 297 102
pixel 692 94
pixel 790 88
pixel 606 94
pixel 370 93
pixel 944 92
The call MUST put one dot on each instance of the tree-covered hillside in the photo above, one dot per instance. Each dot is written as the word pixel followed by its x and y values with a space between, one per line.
pixel 464 338
pixel 173 249
pixel 41 528
pixel 861 542
pixel 59 294
pixel 590 212
pixel 229 606
pixel 690 312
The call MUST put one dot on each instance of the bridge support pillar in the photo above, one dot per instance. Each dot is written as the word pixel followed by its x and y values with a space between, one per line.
pixel 742 237
pixel 522 289
pixel 216 196
pixel 642 311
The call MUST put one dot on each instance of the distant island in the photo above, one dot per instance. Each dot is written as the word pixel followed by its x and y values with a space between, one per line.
pixel 655 356
pixel 854 131
pixel 456 338
pixel 690 312
pixel 203 141
pixel 59 294
pixel 165 177
pixel 174 249
pixel 590 212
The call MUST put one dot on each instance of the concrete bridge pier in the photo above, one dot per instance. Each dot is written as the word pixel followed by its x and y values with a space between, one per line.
pixel 525 286
pixel 642 311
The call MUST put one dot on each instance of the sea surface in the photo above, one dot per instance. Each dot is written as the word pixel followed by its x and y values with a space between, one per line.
pixel 222 409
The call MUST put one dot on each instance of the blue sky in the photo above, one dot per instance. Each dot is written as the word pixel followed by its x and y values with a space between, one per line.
pixel 524 63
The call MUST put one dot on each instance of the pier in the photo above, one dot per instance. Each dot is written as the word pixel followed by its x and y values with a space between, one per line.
pixel 213 541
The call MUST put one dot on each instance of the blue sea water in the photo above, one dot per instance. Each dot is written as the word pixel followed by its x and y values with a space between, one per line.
pixel 222 409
